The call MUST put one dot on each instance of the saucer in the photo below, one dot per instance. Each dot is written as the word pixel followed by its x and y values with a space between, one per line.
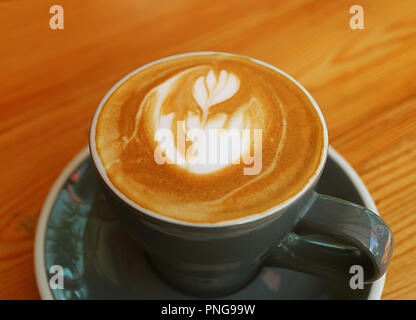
pixel 78 231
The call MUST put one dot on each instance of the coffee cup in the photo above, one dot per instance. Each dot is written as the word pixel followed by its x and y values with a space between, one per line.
pixel 207 229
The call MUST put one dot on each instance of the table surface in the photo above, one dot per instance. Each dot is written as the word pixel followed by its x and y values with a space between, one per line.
pixel 52 81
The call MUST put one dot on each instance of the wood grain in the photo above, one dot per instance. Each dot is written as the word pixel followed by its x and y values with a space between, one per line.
pixel 51 83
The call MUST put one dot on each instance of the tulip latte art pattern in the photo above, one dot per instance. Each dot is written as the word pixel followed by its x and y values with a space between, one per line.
pixel 208 132
pixel 208 138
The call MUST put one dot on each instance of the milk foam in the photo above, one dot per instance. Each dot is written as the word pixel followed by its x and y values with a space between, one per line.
pixel 150 127
pixel 206 132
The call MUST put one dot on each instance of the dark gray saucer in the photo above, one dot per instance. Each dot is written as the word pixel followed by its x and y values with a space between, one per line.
pixel 79 232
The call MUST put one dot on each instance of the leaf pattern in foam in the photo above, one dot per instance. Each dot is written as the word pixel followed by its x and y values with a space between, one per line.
pixel 210 90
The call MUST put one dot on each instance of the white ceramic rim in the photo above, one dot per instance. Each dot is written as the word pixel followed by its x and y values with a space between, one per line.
pixel 39 249
pixel 232 222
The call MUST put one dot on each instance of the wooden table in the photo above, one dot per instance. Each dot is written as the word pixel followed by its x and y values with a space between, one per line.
pixel 52 80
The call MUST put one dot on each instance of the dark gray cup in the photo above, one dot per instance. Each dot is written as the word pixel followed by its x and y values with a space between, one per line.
pixel 309 232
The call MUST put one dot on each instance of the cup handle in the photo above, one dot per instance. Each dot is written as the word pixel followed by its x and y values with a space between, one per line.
pixel 331 237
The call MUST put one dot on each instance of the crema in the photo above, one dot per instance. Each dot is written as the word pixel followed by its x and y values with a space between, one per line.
pixel 206 138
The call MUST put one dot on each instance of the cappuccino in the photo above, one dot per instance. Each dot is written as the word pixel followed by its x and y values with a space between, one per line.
pixel 206 138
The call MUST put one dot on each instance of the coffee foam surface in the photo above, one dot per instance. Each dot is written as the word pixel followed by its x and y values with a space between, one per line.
pixel 207 92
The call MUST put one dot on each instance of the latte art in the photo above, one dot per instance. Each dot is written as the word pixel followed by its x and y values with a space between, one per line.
pixel 208 138
pixel 206 130
pixel 210 90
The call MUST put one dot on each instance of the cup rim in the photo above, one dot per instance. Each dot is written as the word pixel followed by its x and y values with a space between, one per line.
pixel 96 160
